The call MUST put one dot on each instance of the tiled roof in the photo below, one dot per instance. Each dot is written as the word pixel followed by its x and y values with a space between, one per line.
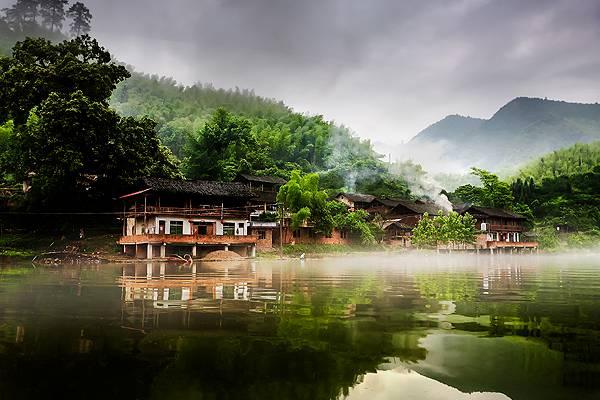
pixel 275 180
pixel 201 188
pixel 358 197
pixel 488 211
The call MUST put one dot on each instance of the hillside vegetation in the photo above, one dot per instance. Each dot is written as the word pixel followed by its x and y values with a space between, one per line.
pixel 563 191
pixel 264 136
pixel 578 159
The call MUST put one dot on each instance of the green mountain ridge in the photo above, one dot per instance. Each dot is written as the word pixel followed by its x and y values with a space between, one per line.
pixel 521 130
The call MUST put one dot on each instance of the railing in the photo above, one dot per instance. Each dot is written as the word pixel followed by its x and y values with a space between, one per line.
pixel 498 244
pixel 507 228
pixel 188 239
pixel 208 211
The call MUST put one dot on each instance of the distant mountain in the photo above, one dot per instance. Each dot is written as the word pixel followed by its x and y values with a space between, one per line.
pixel 521 130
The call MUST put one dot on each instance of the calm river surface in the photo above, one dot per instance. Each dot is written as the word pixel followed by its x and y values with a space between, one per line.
pixel 523 327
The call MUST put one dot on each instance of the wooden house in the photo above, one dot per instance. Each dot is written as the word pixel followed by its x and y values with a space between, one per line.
pixel 498 228
pixel 265 188
pixel 167 216
pixel 262 223
pixel 355 201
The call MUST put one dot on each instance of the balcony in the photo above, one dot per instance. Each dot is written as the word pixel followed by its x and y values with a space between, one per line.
pixel 208 211
pixel 188 239
pixel 503 245
pixel 504 228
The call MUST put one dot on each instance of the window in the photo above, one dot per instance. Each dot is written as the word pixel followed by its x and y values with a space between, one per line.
pixel 228 228
pixel 176 227
pixel 262 235
pixel 344 234
pixel 240 229
pixel 200 229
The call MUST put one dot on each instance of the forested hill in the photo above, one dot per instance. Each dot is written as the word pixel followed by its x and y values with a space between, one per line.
pixel 182 110
pixel 521 130
pixel 574 160
pixel 276 140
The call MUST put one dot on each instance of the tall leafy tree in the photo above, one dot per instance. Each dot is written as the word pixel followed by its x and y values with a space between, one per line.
pixel 74 147
pixel 223 148
pixel 492 193
pixel 81 17
pixel 53 13
pixel 451 229
pixel 65 138
pixel 304 201
pixel 16 16
pixel 30 10
pixel 38 68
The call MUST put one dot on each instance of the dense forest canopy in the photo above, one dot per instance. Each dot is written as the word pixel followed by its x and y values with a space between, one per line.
pixel 59 134
pixel 563 189
pixel 198 123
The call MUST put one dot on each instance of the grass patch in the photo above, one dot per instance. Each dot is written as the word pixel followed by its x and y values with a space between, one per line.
pixel 297 249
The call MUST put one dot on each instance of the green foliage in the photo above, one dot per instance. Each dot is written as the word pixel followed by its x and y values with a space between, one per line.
pixel 65 138
pixel 578 159
pixel 282 140
pixel 353 221
pixel 563 188
pixel 444 229
pixel 492 193
pixel 75 145
pixel 547 237
pixel 38 68
pixel 81 17
pixel 224 148
pixel 53 13
pixel 303 199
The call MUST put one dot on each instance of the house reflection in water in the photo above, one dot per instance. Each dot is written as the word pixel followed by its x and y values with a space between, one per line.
pixel 149 290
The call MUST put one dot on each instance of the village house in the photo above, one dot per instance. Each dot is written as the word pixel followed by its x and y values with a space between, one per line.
pixel 263 219
pixel 355 201
pixel 400 216
pixel 498 229
pixel 165 217
pixel 265 188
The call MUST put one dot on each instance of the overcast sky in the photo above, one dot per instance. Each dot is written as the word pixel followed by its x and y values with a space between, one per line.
pixel 386 68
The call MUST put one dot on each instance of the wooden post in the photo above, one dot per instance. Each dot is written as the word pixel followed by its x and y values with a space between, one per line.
pixel 281 231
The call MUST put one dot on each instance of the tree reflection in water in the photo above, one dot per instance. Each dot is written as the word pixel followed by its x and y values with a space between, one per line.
pixel 277 330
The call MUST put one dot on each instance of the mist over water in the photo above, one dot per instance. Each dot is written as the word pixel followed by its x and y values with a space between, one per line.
pixel 420 326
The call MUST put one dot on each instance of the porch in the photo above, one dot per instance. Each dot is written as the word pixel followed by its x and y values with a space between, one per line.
pixel 161 246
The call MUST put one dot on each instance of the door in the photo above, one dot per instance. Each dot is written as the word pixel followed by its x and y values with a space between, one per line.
pixel 161 227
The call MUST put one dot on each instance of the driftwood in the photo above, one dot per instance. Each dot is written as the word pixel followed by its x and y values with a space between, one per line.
pixel 67 257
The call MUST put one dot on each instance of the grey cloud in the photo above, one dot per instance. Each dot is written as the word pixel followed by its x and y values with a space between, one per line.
pixel 386 68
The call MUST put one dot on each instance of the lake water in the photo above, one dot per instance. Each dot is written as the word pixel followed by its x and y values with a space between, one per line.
pixel 522 327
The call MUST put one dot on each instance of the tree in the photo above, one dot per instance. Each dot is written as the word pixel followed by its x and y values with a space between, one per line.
pixel 425 233
pixel 53 13
pixel 224 148
pixel 38 68
pixel 493 193
pixel 303 199
pixel 352 221
pixel 451 229
pixel 16 16
pixel 65 138
pixel 77 149
pixel 81 17
pixel 30 10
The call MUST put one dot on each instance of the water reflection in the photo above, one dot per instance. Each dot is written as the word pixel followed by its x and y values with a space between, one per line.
pixel 521 328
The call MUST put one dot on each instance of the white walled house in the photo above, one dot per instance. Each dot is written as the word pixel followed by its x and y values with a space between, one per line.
pixel 171 217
